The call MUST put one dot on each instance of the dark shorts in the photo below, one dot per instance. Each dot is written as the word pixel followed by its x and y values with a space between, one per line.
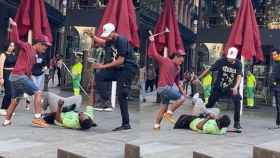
pixel 22 84
pixel 184 122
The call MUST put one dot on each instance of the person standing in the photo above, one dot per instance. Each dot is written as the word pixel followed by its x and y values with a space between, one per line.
pixel 122 68
pixel 76 71
pixel 227 83
pixel 207 85
pixel 59 64
pixel 168 85
pixel 20 75
pixel 7 63
pixel 250 89
pixel 38 71
pixel 151 75
pixel 275 77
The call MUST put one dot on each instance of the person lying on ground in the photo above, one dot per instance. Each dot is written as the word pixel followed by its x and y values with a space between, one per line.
pixel 71 119
pixel 207 125
pixel 71 103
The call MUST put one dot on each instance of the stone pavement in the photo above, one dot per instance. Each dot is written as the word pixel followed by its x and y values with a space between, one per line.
pixel 21 140
pixel 168 142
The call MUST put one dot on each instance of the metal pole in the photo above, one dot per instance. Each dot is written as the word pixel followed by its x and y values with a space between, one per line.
pixel 72 76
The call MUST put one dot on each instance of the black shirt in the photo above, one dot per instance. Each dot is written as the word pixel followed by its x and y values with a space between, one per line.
pixel 37 68
pixel 227 73
pixel 275 75
pixel 120 47
pixel 10 60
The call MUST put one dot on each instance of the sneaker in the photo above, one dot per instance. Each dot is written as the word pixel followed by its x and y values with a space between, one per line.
pixel 7 123
pixel 123 127
pixel 169 117
pixel 99 107
pixel 156 128
pixel 39 122
pixel 3 112
pixel 237 125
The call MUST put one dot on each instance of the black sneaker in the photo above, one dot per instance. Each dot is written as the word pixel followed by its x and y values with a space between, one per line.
pixel 99 107
pixel 123 127
pixel 237 125
pixel 108 107
pixel 94 124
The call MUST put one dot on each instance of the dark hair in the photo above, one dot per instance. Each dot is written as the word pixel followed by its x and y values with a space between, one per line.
pixel 275 50
pixel 224 121
pixel 5 46
pixel 86 124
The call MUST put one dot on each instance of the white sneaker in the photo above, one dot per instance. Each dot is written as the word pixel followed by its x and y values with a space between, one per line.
pixel 108 109
pixel 3 112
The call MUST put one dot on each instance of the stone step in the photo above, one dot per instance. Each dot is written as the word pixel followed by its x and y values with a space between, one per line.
pixel 227 151
pixel 267 150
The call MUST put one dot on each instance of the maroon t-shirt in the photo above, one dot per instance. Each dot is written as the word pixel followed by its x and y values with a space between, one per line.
pixel 26 57
pixel 168 70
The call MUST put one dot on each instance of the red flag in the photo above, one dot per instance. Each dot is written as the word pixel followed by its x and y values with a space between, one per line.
pixel 171 40
pixel 32 15
pixel 122 14
pixel 245 34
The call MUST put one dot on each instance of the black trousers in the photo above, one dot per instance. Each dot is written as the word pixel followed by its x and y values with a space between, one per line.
pixel 59 76
pixel 124 77
pixel 8 90
pixel 149 84
pixel 276 94
pixel 217 93
pixel 104 91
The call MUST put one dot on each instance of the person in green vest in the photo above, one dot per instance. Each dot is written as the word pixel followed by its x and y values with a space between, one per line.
pixel 207 84
pixel 251 84
pixel 76 71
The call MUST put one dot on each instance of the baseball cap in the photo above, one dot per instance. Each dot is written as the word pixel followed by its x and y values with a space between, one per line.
pixel 232 53
pixel 44 39
pixel 108 29
pixel 181 52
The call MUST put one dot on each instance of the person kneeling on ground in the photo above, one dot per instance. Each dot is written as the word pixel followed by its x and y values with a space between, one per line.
pixel 207 125
pixel 71 119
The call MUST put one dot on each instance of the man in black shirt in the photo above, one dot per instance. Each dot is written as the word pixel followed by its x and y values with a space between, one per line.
pixel 227 82
pixel 122 68
pixel 275 77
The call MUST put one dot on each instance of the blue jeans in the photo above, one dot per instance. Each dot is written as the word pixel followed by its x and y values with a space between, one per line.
pixel 22 84
pixel 168 93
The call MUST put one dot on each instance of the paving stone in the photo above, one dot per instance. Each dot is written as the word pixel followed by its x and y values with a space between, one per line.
pixel 66 154
pixel 132 151
pixel 267 150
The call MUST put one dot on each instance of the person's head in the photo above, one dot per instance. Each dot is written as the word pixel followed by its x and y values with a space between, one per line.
pixel 178 57
pixel 9 47
pixel 232 54
pixel 109 32
pixel 42 44
pixel 275 55
pixel 223 121
pixel 85 121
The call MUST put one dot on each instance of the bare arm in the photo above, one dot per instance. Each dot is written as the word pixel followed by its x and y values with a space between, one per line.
pixel 58 111
pixel 238 81
pixel 153 53
pixel 2 61
pixel 201 124
pixel 14 35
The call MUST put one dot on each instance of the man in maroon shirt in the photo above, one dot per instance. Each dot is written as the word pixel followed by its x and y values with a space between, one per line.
pixel 20 76
pixel 168 85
